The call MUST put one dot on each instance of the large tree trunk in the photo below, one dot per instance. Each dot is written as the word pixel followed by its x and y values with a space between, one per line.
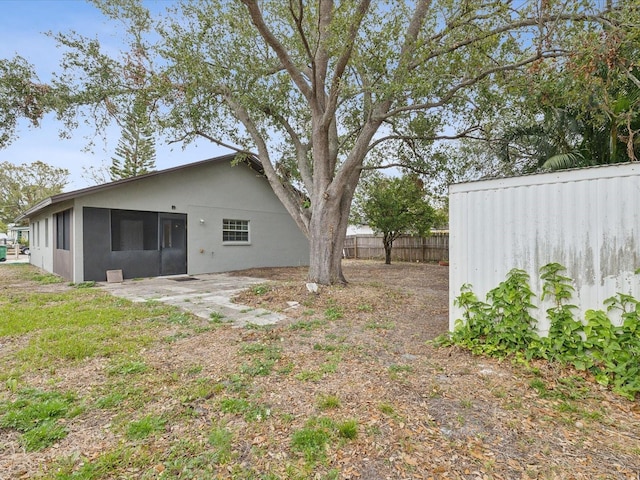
pixel 326 240
pixel 327 230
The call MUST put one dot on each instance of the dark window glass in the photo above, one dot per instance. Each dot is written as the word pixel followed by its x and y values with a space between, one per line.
pixel 63 230
pixel 133 230
pixel 173 233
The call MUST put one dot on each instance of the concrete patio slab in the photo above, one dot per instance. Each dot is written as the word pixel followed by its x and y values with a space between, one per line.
pixel 202 295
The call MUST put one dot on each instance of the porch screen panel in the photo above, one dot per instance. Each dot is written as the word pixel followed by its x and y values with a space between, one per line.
pixel 131 235
pixel 134 230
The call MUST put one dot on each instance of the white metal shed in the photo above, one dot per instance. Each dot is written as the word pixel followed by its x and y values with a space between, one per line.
pixel 585 219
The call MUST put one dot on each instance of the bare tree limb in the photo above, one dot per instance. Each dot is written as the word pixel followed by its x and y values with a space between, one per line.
pixel 285 193
pixel 430 138
pixel 302 150
pixel 444 99
pixel 281 52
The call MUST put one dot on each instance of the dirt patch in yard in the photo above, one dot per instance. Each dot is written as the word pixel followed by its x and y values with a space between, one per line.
pixel 454 414
pixel 358 352
pixel 411 299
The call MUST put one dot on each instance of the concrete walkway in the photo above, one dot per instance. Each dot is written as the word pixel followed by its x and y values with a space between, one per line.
pixel 202 295
pixel 11 258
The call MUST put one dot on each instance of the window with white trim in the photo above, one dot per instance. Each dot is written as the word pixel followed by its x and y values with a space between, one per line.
pixel 235 231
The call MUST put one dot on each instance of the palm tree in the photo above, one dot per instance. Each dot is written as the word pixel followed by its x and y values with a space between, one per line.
pixel 563 138
pixel 597 123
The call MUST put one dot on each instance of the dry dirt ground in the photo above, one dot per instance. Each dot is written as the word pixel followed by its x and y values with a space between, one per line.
pixel 422 411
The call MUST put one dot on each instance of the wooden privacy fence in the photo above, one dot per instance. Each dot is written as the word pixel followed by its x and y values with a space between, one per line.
pixel 433 248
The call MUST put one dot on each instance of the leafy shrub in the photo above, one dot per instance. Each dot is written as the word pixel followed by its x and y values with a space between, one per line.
pixel 503 326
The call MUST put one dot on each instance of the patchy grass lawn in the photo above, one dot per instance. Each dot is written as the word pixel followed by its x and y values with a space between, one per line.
pixel 94 387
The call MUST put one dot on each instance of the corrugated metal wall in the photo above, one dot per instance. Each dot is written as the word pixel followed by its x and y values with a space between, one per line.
pixel 586 219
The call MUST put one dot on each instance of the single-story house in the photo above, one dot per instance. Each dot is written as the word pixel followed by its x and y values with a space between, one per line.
pixel 18 234
pixel 354 230
pixel 210 216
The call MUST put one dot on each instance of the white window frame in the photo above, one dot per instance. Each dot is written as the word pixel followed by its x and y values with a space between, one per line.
pixel 230 226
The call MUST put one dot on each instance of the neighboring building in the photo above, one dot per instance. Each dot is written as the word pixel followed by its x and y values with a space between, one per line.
pixel 587 220
pixel 203 217
pixel 359 230
pixel 18 234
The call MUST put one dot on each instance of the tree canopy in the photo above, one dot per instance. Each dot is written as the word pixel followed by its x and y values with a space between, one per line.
pixel 397 206
pixel 23 186
pixel 318 90
pixel 585 113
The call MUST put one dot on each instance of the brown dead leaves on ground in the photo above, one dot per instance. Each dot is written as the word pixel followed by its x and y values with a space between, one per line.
pixel 421 412
pixel 441 412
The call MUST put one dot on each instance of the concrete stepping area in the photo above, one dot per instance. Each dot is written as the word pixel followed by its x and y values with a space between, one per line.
pixel 202 295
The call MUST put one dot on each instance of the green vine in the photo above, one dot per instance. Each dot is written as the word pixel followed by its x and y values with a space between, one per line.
pixel 503 326
pixel 564 342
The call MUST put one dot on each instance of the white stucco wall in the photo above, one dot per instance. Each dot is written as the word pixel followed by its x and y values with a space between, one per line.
pixel 41 246
pixel 585 219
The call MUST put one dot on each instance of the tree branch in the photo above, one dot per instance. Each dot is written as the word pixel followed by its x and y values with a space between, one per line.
pixel 380 112
pixel 471 81
pixel 297 18
pixel 296 75
pixel 302 150
pixel 343 61
pixel 286 193
pixel 527 22
pixel 431 138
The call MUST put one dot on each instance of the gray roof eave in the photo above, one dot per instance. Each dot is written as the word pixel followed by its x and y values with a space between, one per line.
pixel 61 197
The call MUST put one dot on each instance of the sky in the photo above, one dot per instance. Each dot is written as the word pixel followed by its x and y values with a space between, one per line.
pixel 23 24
